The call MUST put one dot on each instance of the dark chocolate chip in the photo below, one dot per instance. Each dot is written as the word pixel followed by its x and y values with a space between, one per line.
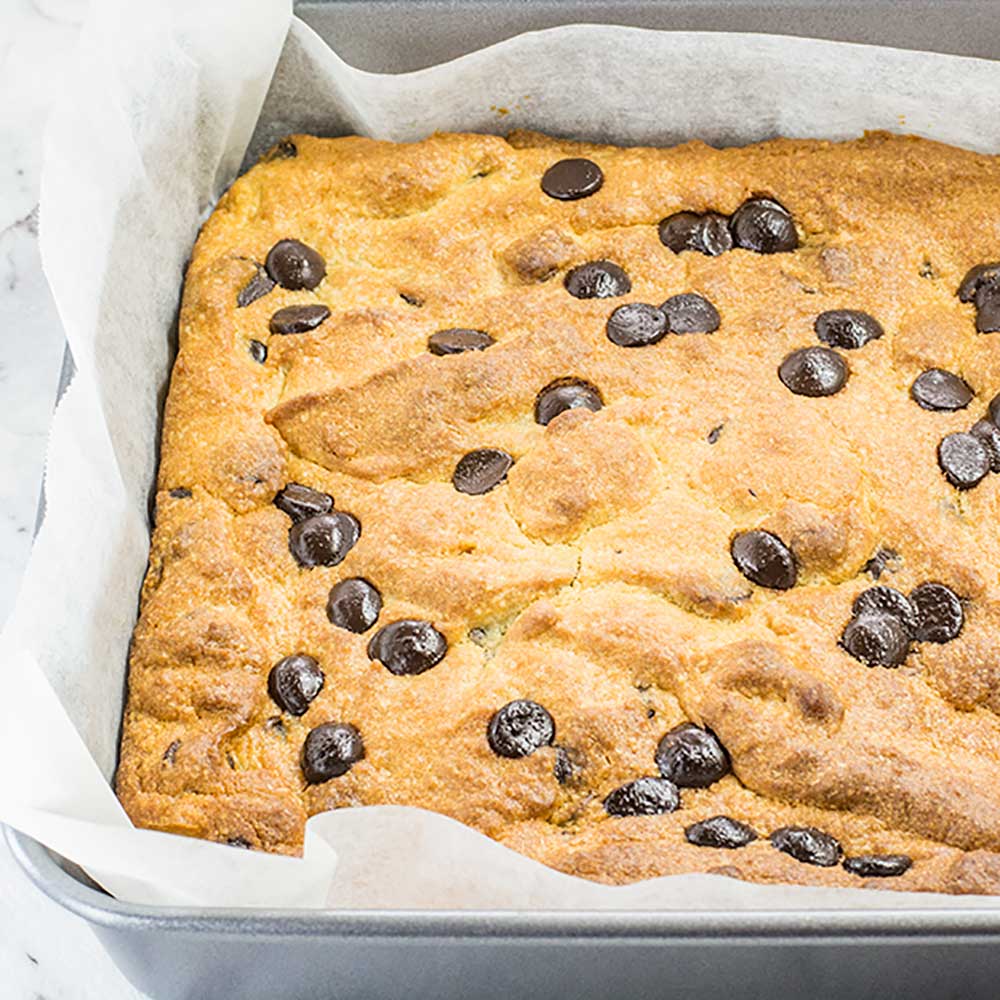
pixel 479 471
pixel 598 279
pixel 848 329
pixel 457 341
pixel 571 179
pixel 884 559
pixel 354 604
pixel 170 754
pixel 240 842
pixel 294 265
pixel 323 540
pixel 720 831
pixel 876 640
pixel 643 797
pixel 995 409
pixel 963 459
pixel 878 865
pixel 566 394
pixel 330 750
pixel 283 150
pixel 940 617
pixel 294 683
pixel 989 434
pixel 707 233
pixel 519 729
pixel 936 389
pixel 408 646
pixel 976 278
pixel 298 319
pixel 763 226
pixel 814 371
pixel 690 313
pixel 257 287
pixel 886 601
pixel 566 768
pixel 258 351
pixel 715 433
pixel 692 757
pixel 411 300
pixel 988 309
pixel 300 502
pixel 636 325
pixel 181 493
pixel 807 844
pixel 764 559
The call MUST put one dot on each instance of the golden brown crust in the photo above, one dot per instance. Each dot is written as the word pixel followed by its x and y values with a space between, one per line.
pixel 597 580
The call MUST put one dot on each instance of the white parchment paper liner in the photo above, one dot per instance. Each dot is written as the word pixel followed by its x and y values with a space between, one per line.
pixel 155 119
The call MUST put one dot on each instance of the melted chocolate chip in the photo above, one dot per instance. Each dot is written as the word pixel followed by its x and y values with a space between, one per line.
pixel 940 617
pixel 457 341
pixel 814 371
pixel 963 459
pixel 408 646
pixel 294 683
pixel 519 729
pixel 298 319
pixel 571 179
pixel 692 757
pixel 257 287
pixel 599 279
pixel 847 329
pixel 636 325
pixel 882 560
pixel 330 750
pixel 720 831
pixel 877 640
pixel 763 226
pixel 936 389
pixel 643 797
pixel 807 844
pixel 181 493
pixel 170 754
pixel 976 278
pixel 354 604
pixel 294 265
pixel 886 601
pixel 258 351
pixel 989 434
pixel 300 502
pixel 479 471
pixel 566 394
pixel 878 865
pixel 707 233
pixel 323 540
pixel 690 313
pixel 764 559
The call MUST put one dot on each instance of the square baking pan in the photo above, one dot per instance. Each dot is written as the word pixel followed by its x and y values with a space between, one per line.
pixel 182 954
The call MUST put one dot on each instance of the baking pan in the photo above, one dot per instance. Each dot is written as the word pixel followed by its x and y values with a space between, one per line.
pixel 178 954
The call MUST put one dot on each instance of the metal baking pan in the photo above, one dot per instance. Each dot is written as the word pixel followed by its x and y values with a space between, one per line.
pixel 178 954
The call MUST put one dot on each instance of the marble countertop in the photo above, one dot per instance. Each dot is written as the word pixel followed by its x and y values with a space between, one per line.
pixel 45 953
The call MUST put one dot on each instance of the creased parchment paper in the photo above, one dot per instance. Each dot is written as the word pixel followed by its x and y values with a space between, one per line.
pixel 154 122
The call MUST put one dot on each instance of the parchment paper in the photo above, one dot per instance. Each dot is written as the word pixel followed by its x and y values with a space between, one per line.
pixel 154 122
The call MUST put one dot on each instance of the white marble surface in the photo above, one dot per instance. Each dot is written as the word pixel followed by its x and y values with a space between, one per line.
pixel 45 953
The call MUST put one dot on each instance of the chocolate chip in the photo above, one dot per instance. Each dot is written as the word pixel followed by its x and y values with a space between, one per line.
pixel 848 329
pixel 963 459
pixel 807 844
pixel 692 757
pixel 323 540
pixel 566 394
pixel 330 750
pixel 636 325
pixel 989 434
pixel 995 409
pixel 300 502
pixel 479 471
pixel 763 226
pixel 257 287
pixel 408 646
pixel 720 831
pixel 814 371
pixel 940 617
pixel 519 729
pixel 571 179
pixel 294 265
pixel 294 683
pixel 181 493
pixel 354 604
pixel 877 640
pixel 707 233
pixel 240 842
pixel 170 754
pixel 411 300
pixel 258 351
pixel 988 309
pixel 690 313
pixel 936 389
pixel 976 278
pixel 882 560
pixel 599 279
pixel 565 768
pixel 298 319
pixel 275 725
pixel 457 341
pixel 283 150
pixel 643 797
pixel 715 433
pixel 878 865
pixel 764 559
pixel 886 601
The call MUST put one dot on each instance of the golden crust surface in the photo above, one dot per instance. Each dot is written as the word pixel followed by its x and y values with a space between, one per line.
pixel 597 580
